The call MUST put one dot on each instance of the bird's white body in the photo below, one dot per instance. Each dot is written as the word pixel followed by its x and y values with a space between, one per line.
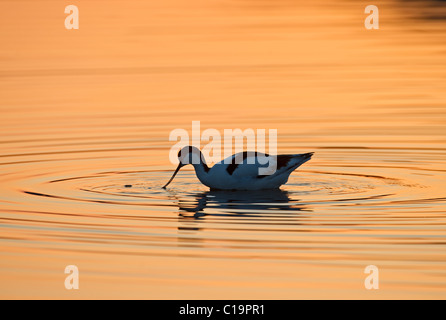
pixel 243 172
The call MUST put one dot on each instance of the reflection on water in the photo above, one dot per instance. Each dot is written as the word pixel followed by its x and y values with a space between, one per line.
pixel 247 204
pixel 85 123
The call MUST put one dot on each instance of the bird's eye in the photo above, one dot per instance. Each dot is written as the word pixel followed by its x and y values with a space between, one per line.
pixel 182 153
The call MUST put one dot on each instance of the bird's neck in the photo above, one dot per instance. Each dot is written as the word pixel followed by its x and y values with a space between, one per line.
pixel 201 169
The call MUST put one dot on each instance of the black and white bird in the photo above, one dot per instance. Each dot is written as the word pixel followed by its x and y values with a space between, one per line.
pixel 243 170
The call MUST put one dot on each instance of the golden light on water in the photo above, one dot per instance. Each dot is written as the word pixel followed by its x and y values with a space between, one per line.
pixel 85 113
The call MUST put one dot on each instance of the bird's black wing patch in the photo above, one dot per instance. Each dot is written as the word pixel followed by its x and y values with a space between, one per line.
pixel 282 162
pixel 231 168
pixel 236 160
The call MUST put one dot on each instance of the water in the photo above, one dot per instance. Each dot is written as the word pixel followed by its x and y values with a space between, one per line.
pixel 86 117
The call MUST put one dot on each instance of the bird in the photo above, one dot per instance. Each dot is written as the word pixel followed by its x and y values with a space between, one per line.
pixel 246 170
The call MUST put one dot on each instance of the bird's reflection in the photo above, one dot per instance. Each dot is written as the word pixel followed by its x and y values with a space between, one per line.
pixel 229 203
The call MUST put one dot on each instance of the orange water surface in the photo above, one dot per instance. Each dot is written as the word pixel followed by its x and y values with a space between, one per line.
pixel 85 118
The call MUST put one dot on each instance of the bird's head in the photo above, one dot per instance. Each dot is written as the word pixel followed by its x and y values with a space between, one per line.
pixel 187 155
